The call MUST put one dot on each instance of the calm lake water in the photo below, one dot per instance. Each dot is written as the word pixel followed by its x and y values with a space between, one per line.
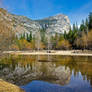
pixel 48 73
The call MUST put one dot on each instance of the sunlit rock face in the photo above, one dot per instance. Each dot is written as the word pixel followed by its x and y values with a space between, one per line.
pixel 56 24
pixel 56 74
pixel 21 24
pixel 63 75
pixel 36 71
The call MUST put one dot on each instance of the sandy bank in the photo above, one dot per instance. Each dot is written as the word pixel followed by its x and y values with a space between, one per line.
pixel 52 52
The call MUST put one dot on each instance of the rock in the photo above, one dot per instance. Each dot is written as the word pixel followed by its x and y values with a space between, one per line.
pixel 56 24
pixel 8 87
pixel 21 24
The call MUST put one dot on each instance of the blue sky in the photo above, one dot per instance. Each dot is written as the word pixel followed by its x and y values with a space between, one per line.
pixel 76 10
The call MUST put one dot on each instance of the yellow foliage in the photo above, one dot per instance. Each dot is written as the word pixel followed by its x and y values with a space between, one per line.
pixel 14 47
pixel 6 35
pixel 85 41
pixel 89 38
pixel 42 46
pixel 32 45
pixel 24 44
pixel 63 44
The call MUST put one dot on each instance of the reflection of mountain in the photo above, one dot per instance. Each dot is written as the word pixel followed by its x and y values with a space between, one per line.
pixel 23 69
pixel 47 71
pixel 52 73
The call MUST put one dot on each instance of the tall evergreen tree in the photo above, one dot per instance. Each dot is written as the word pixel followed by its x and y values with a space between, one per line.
pixel 86 25
pixel 90 21
pixel 29 37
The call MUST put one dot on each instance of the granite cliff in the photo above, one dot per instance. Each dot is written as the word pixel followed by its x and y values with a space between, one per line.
pixel 21 24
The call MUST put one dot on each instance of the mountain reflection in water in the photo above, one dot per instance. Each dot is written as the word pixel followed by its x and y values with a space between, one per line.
pixel 60 74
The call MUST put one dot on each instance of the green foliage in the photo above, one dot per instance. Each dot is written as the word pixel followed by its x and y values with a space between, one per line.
pixel 71 35
pixel 22 36
pixel 61 37
pixel 43 36
pixel 29 37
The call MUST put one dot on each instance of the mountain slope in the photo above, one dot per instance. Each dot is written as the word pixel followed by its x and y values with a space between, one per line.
pixel 21 24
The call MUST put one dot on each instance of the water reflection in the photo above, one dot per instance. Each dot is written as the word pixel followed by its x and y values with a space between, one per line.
pixel 41 86
pixel 60 71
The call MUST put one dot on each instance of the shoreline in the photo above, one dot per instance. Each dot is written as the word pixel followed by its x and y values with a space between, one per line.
pixel 52 52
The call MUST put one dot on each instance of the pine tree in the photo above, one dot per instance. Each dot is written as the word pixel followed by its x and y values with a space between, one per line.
pixel 86 25
pixel 65 35
pixel 90 21
pixel 29 37
pixel 22 36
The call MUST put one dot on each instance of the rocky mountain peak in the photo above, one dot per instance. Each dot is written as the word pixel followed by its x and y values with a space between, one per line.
pixel 20 24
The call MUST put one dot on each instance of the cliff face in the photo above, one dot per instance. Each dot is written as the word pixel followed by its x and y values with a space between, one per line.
pixel 55 24
pixel 21 24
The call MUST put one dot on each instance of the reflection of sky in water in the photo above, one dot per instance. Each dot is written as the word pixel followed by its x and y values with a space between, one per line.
pixel 77 84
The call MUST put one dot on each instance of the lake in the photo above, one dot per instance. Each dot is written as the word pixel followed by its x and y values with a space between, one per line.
pixel 48 73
